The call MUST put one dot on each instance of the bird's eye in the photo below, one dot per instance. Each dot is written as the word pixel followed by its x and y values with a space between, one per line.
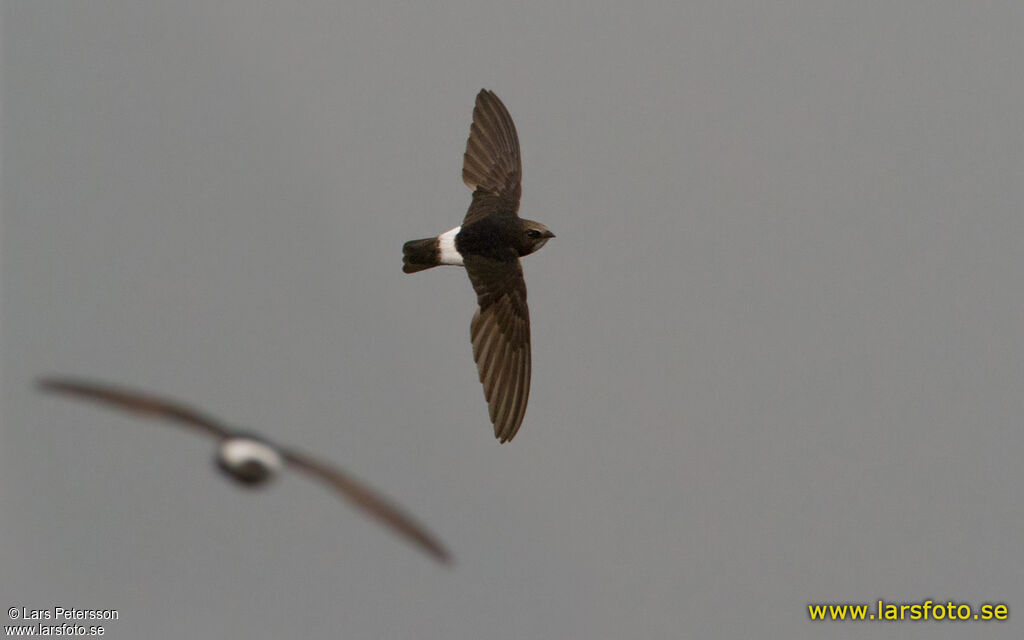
pixel 533 233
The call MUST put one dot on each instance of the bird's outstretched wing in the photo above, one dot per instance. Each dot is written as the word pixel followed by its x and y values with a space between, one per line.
pixel 369 501
pixel 491 166
pixel 500 333
pixel 136 402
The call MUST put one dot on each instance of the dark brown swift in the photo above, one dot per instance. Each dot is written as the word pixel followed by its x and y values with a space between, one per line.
pixel 251 460
pixel 488 244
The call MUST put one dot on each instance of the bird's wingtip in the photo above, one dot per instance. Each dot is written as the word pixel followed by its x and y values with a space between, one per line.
pixel 49 383
pixel 444 557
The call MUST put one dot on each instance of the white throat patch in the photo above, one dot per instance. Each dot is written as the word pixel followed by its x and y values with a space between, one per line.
pixel 235 452
pixel 446 245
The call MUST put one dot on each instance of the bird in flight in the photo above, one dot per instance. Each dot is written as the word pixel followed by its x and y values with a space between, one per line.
pixel 251 460
pixel 489 243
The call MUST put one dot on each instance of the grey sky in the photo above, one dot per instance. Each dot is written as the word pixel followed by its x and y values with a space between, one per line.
pixel 778 351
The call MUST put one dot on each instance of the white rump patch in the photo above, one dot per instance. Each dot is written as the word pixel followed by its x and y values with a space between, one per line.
pixel 235 452
pixel 446 244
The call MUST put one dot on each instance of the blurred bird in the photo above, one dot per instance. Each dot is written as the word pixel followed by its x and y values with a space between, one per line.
pixel 251 460
pixel 488 244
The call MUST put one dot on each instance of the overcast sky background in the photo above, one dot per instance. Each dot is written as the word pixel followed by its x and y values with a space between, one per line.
pixel 778 343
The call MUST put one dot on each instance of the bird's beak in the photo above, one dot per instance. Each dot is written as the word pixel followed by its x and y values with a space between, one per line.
pixel 548 234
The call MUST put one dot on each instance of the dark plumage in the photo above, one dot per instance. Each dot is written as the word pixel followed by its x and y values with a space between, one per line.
pixel 489 244
pixel 252 461
pixel 418 255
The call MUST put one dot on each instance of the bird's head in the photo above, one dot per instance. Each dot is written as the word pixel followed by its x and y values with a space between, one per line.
pixel 533 236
